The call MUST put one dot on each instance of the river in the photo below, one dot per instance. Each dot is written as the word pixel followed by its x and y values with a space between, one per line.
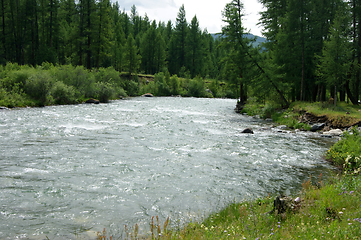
pixel 69 171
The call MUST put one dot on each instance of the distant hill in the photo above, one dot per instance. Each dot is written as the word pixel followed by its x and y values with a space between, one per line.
pixel 259 40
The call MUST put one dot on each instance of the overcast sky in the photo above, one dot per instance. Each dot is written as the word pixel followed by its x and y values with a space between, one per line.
pixel 209 13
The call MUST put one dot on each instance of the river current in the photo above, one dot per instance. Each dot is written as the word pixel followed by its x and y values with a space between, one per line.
pixel 69 171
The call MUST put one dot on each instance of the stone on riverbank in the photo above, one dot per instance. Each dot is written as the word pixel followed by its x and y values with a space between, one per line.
pixel 333 133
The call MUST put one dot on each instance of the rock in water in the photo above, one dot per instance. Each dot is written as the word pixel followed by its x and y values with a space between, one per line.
pixel 147 95
pixel 318 126
pixel 92 100
pixel 248 130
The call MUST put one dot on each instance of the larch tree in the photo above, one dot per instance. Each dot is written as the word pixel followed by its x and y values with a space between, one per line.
pixel 336 55
pixel 193 48
pixel 237 45
pixel 132 59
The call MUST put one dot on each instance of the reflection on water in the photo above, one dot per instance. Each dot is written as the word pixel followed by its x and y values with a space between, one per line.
pixel 68 169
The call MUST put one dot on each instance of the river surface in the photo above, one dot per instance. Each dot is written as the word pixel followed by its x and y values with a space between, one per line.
pixel 69 171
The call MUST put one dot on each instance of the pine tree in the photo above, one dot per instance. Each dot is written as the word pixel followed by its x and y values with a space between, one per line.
pixel 193 48
pixel 177 48
pixel 237 45
pixel 131 57
pixel 118 38
pixel 102 44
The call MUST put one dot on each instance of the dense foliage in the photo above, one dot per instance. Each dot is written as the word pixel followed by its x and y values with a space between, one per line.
pixel 312 52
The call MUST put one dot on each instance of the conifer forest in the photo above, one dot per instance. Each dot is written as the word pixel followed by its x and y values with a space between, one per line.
pixel 63 51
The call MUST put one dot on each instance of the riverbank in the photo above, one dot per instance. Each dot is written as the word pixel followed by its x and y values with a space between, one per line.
pixel 303 115
pixel 322 210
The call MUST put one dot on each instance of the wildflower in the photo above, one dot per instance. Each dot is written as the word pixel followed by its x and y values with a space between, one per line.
pixel 340 212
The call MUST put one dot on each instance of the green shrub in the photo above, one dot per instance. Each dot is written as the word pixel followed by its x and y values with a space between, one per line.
pixel 268 111
pixel 62 94
pixel 121 92
pixel 148 88
pixel 16 79
pixel 80 78
pixel 132 88
pixel 174 85
pixel 346 153
pixel 196 88
pixel 104 91
pixel 37 87
pixel 162 88
pixel 109 75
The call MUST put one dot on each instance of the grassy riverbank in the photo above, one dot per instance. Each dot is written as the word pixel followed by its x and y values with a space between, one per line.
pixel 343 115
pixel 322 210
pixel 333 211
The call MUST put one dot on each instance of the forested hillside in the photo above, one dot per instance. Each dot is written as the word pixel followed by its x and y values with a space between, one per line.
pixel 312 52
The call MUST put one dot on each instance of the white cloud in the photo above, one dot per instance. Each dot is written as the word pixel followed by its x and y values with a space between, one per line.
pixel 209 14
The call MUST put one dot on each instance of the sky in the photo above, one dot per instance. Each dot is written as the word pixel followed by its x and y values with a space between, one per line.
pixel 209 13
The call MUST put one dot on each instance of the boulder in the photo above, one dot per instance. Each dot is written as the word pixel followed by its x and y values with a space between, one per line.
pixel 333 133
pixel 92 100
pixel 317 127
pixel 248 130
pixel 147 95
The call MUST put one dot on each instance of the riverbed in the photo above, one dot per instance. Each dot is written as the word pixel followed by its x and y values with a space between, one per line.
pixel 69 171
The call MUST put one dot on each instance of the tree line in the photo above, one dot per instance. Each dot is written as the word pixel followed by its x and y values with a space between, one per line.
pixel 98 34
pixel 312 52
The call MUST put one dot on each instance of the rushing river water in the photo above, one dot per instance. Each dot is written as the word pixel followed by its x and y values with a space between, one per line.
pixel 67 169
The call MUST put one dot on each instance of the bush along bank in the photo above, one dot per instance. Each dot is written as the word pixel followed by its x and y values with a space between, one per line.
pixel 44 85
pixel 22 86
